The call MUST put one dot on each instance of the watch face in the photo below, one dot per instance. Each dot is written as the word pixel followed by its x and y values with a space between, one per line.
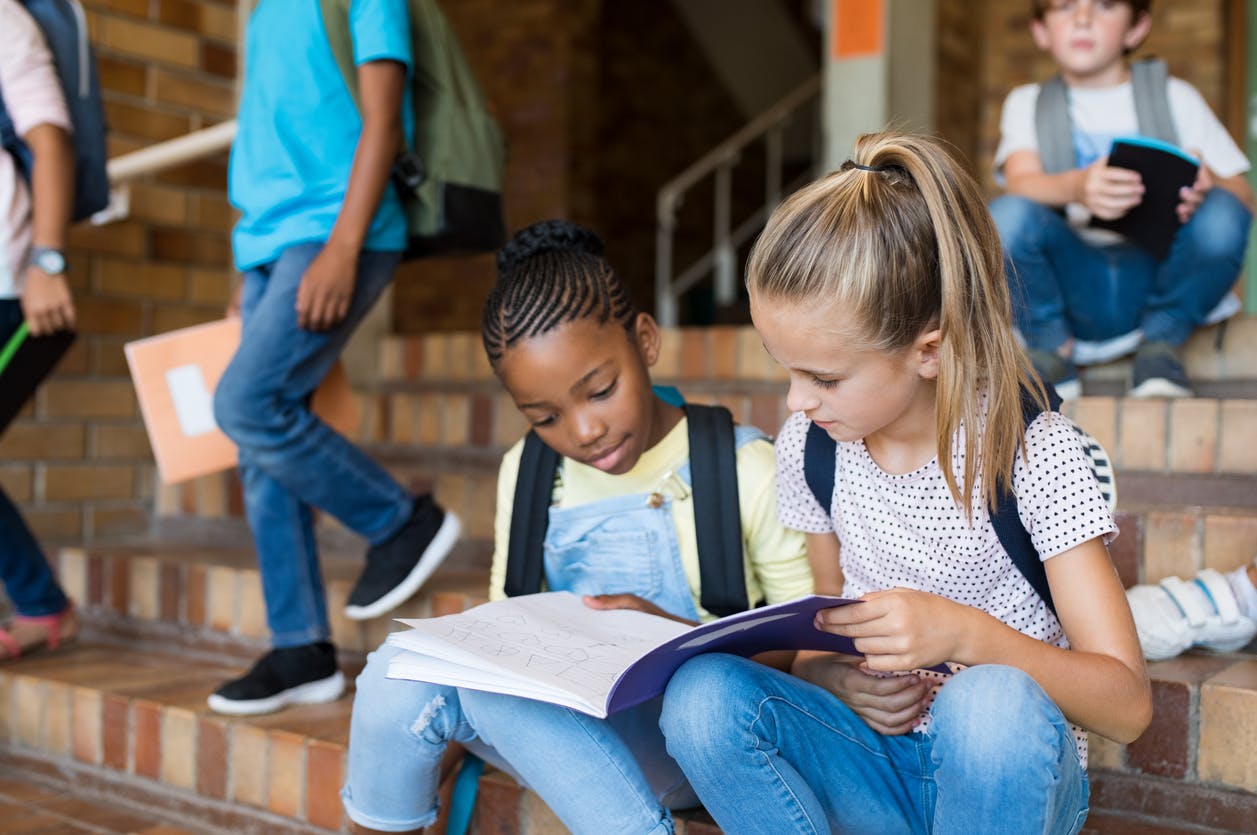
pixel 50 261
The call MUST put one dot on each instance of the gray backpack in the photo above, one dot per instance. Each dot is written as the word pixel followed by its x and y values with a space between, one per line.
pixel 1055 129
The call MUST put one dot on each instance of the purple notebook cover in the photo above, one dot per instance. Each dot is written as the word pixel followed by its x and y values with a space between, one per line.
pixel 783 626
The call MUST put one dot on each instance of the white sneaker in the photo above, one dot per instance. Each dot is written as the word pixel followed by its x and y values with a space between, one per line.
pixel 1176 615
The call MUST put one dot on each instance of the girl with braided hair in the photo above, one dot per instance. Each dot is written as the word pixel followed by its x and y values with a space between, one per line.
pixel 574 353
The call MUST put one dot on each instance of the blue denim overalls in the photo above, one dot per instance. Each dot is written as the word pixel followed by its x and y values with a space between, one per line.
pixel 626 544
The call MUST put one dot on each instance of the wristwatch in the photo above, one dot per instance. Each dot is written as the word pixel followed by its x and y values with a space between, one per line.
pixel 48 260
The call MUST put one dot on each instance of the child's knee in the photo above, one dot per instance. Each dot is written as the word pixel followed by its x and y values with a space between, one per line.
pixel 1219 228
pixel 254 412
pixel 700 696
pixel 386 707
pixel 992 711
pixel 238 405
pixel 1018 219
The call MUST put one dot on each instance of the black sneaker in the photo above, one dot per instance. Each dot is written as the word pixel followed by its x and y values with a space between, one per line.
pixel 303 675
pixel 1158 372
pixel 397 568
pixel 1054 370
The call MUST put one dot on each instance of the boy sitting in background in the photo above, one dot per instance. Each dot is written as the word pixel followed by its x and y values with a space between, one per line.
pixel 1072 284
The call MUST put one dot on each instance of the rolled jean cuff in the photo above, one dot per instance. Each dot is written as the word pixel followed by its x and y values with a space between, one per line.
pixel 379 825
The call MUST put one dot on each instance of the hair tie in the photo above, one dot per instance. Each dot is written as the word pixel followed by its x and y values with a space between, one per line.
pixel 876 169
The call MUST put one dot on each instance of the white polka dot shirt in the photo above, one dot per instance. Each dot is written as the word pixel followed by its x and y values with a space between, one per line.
pixel 905 531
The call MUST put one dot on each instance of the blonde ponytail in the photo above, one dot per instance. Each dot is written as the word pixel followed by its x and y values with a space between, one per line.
pixel 900 237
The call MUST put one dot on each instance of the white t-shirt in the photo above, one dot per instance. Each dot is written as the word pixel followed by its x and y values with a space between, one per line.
pixel 32 96
pixel 1099 115
pixel 905 531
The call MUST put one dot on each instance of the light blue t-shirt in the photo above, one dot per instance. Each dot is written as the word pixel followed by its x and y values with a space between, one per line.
pixel 299 128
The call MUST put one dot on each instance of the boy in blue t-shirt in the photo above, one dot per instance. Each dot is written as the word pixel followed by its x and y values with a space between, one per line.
pixel 1083 294
pixel 320 234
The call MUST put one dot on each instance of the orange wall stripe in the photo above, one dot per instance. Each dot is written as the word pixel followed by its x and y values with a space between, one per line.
pixel 857 30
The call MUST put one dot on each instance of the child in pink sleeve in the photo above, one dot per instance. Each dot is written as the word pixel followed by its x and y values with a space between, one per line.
pixel 33 222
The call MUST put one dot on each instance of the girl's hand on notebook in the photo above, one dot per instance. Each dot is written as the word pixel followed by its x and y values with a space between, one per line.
pixel 901 629
pixel 629 601
pixel 889 705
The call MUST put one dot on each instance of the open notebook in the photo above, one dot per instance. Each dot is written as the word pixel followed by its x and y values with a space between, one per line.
pixel 551 647
pixel 175 375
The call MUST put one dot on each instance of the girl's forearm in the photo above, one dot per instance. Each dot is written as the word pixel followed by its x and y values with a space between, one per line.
pixel 1096 691
pixel 52 184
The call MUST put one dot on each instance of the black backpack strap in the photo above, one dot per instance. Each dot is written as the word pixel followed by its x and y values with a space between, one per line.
pixel 1016 541
pixel 819 451
pixel 717 513
pixel 1053 127
pixel 1149 81
pixel 530 516
pixel 1007 521
pixel 818 470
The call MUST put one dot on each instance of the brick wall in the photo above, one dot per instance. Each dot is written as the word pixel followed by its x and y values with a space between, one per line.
pixel 533 60
pixel 986 50
pixel 637 104
pixel 958 80
pixel 78 460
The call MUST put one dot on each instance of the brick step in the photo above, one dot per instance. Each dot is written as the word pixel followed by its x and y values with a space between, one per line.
pixel 1191 436
pixel 1171 522
pixel 1222 352
pixel 133 725
pixel 1195 762
pixel 136 723
pixel 449 433
pixel 1171 525
pixel 211 598
pixel 31 803
pixel 209 601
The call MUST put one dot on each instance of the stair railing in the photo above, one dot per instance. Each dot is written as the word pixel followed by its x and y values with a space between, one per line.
pixel 721 260
pixel 169 154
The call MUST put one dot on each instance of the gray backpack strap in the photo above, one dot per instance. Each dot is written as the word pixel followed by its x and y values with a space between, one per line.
pixel 1053 127
pixel 1149 80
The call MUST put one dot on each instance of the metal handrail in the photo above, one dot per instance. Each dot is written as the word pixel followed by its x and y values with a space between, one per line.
pixel 720 260
pixel 156 158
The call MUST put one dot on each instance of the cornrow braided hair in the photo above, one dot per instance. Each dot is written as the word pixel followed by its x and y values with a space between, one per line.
pixel 550 273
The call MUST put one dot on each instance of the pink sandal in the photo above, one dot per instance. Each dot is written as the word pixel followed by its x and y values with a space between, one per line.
pixel 52 625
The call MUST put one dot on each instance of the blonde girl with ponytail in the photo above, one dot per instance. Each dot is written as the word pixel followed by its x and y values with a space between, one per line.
pixel 880 289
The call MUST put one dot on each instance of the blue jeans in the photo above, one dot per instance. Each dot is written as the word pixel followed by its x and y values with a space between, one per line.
pixel 770 753
pixel 598 775
pixel 28 580
pixel 290 460
pixel 1063 286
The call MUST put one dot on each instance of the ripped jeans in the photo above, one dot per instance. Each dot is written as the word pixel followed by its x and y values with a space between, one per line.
pixel 400 729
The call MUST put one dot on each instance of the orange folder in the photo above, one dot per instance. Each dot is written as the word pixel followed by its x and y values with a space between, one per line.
pixel 175 375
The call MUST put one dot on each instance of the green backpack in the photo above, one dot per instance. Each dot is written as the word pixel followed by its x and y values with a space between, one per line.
pixel 451 177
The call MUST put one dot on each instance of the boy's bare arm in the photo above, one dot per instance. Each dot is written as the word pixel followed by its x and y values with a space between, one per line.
pixel 46 301
pixel 1107 192
pixel 327 287
pixel 1024 176
pixel 1239 186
